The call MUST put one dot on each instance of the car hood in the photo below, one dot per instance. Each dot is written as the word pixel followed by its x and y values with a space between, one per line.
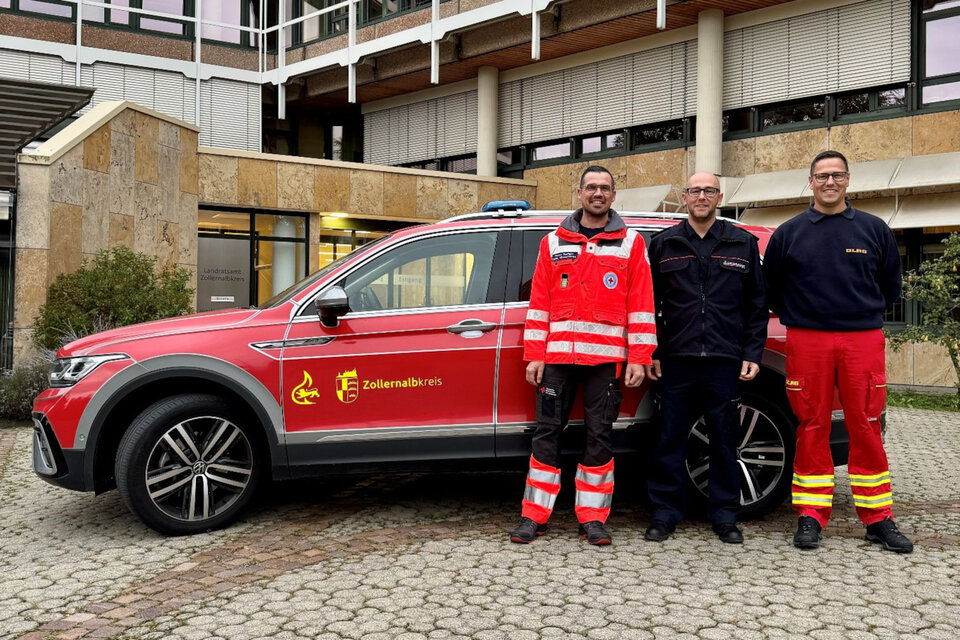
pixel 114 338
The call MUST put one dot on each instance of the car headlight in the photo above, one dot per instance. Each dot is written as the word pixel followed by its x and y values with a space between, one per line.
pixel 66 372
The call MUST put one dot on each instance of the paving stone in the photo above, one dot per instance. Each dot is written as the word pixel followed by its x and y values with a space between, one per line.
pixel 424 556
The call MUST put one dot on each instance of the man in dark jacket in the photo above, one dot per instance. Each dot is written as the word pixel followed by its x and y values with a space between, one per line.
pixel 711 328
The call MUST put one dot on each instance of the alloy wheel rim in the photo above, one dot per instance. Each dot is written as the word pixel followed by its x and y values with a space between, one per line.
pixel 761 455
pixel 198 468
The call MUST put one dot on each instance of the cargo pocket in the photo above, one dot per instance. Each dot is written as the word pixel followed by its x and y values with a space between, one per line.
pixel 876 396
pixel 611 404
pixel 797 393
pixel 549 402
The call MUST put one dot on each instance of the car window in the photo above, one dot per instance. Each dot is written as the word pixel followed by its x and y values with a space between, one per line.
pixel 430 272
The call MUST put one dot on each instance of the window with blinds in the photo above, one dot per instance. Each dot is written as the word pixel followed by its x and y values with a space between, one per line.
pixel 648 86
pixel 850 47
pixel 440 127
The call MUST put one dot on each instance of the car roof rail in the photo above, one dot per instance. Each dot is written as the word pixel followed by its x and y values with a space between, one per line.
pixel 492 214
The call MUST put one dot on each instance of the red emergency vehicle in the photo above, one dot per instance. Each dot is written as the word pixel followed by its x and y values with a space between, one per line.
pixel 408 350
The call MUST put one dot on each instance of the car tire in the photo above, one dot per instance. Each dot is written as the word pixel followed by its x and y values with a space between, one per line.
pixel 765 449
pixel 188 463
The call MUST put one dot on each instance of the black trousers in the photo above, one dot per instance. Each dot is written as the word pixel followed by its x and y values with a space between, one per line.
pixel 601 405
pixel 690 388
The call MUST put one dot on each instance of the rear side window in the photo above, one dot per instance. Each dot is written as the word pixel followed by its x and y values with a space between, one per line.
pixel 432 272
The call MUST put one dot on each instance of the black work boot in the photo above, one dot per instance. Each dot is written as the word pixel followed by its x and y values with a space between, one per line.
pixel 886 533
pixel 808 533
pixel 526 531
pixel 728 532
pixel 658 531
pixel 594 532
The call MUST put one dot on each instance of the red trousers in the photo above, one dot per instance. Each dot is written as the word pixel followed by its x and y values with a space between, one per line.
pixel 853 361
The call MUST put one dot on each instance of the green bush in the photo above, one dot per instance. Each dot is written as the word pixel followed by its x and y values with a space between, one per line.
pixel 118 287
pixel 19 387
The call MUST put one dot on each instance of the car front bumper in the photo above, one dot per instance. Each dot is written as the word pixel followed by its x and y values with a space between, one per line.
pixel 58 466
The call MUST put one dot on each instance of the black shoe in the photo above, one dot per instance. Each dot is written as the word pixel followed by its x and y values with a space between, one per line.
pixel 594 532
pixel 658 531
pixel 526 531
pixel 728 532
pixel 808 533
pixel 886 533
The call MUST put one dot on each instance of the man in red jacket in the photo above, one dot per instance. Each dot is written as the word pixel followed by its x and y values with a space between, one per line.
pixel 591 310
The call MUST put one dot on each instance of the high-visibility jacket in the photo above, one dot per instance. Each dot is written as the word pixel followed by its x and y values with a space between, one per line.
pixel 591 301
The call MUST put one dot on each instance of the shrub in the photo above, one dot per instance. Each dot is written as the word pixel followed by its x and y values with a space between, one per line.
pixel 118 287
pixel 936 284
pixel 19 387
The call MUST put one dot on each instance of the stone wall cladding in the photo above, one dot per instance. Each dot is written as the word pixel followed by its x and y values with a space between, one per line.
pixel 133 182
pixel 317 187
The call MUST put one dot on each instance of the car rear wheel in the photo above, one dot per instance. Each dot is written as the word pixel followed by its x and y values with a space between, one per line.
pixel 765 448
pixel 188 463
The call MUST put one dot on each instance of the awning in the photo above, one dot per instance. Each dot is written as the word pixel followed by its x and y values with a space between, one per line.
pixel 893 174
pixel 883 208
pixel 765 187
pixel 936 169
pixel 27 109
pixel 771 216
pixel 867 176
pixel 928 210
pixel 642 198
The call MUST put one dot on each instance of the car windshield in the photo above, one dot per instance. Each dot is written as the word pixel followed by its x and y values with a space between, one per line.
pixel 291 291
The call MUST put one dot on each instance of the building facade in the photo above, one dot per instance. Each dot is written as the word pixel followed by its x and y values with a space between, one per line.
pixel 532 90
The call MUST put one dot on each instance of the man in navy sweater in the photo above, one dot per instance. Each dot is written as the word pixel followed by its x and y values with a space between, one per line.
pixel 831 271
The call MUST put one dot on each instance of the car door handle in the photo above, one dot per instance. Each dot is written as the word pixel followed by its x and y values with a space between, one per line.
pixel 471 328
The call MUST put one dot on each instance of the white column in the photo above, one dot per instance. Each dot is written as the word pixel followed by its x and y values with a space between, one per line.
pixel 710 91
pixel 284 254
pixel 488 87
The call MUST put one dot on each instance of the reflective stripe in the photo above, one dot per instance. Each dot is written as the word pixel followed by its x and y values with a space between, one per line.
pixel 539 497
pixel 586 348
pixel 594 328
pixel 816 499
pixel 595 479
pixel 557 245
pixel 559 346
pixel 599 350
pixel 612 250
pixel 534 334
pixel 641 318
pixel 537 315
pixel 642 338
pixel 881 500
pixel 547 477
pixel 874 480
pixel 875 483
pixel 594 500
pixel 813 481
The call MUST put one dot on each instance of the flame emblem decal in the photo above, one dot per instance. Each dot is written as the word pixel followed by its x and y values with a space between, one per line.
pixel 304 391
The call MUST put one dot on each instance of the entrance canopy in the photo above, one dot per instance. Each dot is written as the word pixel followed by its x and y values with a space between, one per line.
pixel 27 109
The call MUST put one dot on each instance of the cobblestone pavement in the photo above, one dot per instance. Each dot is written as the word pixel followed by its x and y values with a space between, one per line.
pixel 426 556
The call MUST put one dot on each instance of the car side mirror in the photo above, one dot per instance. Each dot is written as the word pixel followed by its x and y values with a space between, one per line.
pixel 331 304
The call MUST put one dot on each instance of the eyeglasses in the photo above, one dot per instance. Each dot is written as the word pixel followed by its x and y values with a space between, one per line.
pixel 694 192
pixel 839 177
pixel 602 188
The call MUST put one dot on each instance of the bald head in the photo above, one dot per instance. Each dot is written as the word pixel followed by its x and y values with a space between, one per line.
pixel 703 179
pixel 702 197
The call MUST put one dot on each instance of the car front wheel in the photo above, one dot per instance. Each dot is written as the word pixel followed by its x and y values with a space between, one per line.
pixel 188 463
pixel 765 448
